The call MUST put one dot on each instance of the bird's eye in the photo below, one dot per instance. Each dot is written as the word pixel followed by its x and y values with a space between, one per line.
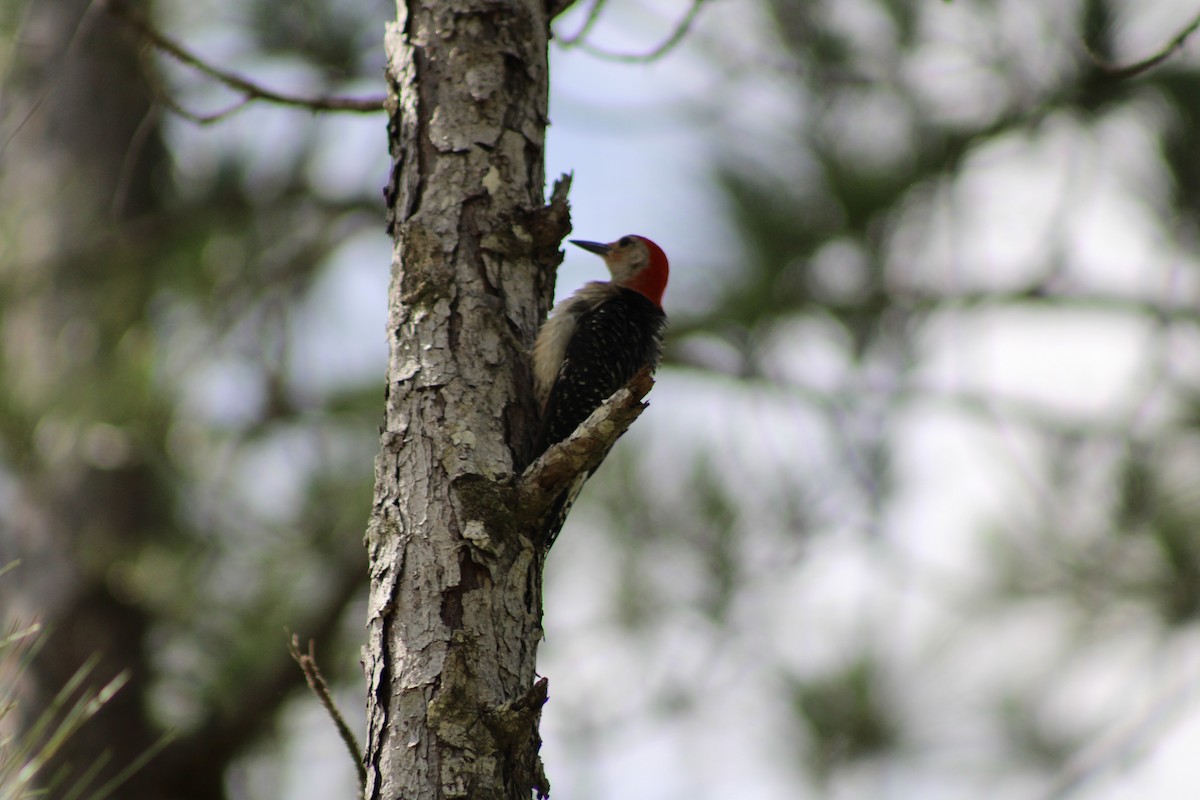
pixel 625 241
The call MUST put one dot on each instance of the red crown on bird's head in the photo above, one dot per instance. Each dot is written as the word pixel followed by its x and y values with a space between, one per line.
pixel 652 279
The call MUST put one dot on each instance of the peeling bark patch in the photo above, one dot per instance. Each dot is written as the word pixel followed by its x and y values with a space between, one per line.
pixel 454 329
pixel 471 576
pixel 452 607
pixel 469 239
pixel 380 689
pixel 477 497
pixel 510 725
pixel 424 275
pixel 533 593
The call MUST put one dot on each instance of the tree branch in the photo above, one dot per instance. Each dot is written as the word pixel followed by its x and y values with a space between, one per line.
pixel 667 45
pixel 316 682
pixel 589 22
pixel 556 7
pixel 1118 72
pixel 250 91
pixel 550 475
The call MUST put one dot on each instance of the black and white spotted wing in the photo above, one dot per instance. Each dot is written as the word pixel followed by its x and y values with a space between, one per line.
pixel 609 345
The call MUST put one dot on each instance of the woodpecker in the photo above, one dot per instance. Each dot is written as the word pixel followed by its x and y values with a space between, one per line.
pixel 595 341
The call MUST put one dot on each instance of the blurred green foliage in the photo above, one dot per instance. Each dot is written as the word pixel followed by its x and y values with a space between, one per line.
pixel 180 490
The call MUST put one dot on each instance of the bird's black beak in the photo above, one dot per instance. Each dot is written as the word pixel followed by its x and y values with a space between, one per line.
pixel 598 248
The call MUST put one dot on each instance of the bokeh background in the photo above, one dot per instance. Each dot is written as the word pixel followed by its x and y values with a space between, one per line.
pixel 915 512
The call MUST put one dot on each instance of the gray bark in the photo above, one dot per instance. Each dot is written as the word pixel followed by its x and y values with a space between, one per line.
pixel 455 605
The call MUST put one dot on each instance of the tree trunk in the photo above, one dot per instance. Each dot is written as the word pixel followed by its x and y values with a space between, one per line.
pixel 455 606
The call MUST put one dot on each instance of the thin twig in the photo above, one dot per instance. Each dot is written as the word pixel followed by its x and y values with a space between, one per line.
pixel 316 682
pixel 592 16
pixel 556 7
pixel 252 91
pixel 1118 72
pixel 664 47
pixel 163 96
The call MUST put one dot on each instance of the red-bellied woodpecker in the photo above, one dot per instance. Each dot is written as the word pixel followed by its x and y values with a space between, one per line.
pixel 594 342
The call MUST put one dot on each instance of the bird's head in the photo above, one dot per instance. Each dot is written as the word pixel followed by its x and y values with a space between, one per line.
pixel 635 263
